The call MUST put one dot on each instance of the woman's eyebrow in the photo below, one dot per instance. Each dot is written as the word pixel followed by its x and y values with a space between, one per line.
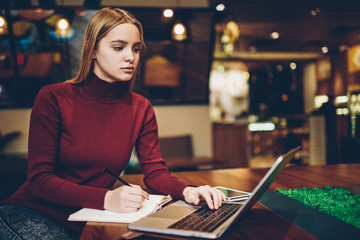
pixel 119 41
pixel 124 42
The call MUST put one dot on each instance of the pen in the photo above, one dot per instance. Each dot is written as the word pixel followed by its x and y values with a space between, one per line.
pixel 164 201
pixel 116 177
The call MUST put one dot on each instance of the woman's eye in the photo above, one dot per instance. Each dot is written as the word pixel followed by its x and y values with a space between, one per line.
pixel 118 48
pixel 136 49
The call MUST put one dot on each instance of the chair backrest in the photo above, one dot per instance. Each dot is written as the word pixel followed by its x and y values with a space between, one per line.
pixel 176 146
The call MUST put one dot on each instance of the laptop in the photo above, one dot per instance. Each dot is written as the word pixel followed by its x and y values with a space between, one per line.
pixel 183 219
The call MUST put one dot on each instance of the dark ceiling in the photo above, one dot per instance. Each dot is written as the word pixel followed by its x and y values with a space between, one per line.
pixel 303 25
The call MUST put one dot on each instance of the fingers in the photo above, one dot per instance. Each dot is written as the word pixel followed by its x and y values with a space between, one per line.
pixel 134 194
pixel 125 199
pixel 206 193
pixel 144 194
pixel 212 196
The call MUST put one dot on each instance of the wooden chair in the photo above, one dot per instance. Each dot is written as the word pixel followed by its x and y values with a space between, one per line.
pixel 178 154
pixel 176 146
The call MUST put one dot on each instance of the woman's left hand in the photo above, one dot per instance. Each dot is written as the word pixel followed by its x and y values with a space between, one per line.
pixel 212 196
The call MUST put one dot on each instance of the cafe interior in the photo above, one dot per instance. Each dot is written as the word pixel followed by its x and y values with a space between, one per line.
pixel 234 84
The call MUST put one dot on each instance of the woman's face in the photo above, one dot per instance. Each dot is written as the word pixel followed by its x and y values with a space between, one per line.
pixel 117 55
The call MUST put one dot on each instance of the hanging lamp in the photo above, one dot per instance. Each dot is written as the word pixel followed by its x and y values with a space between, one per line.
pixel 3 26
pixel 179 32
pixel 62 28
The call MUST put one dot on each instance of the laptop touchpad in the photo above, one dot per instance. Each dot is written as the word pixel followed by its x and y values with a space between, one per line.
pixel 174 211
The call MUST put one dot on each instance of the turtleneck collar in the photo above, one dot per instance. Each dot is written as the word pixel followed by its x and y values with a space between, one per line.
pixel 102 90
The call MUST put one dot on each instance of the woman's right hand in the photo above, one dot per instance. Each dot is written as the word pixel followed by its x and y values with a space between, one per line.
pixel 125 199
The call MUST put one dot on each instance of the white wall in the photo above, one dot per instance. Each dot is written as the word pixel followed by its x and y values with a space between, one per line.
pixel 16 120
pixel 172 121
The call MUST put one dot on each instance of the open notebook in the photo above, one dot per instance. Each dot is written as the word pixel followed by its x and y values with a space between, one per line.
pixel 94 215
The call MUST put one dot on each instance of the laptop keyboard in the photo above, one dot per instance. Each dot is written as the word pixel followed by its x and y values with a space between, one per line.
pixel 205 219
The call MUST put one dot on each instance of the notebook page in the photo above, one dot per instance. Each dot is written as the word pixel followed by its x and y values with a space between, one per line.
pixel 95 215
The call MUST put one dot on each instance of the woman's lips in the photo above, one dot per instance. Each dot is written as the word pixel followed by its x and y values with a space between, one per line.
pixel 129 69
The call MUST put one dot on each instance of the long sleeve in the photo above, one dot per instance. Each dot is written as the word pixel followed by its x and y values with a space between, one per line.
pixel 76 131
pixel 44 143
pixel 157 177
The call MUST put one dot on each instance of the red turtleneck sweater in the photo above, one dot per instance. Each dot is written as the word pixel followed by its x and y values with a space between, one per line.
pixel 75 131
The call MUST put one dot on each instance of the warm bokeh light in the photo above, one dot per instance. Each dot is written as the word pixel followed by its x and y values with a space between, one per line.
pixel 341 99
pixel 168 13
pixel 62 28
pixel 220 7
pixel 293 66
pixel 3 25
pixel 320 100
pixel 179 32
pixel 179 28
pixel 315 12
pixel 324 49
pixel 342 111
pixel 2 22
pixel 274 35
pixel 63 24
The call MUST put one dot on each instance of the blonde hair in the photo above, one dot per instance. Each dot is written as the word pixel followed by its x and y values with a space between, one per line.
pixel 99 25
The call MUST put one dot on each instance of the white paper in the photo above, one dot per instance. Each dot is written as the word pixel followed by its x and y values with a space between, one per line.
pixel 95 215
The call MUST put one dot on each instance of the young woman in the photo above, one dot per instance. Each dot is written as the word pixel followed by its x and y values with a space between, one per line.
pixel 83 125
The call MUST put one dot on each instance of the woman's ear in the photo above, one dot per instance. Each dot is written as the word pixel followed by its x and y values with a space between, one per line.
pixel 93 55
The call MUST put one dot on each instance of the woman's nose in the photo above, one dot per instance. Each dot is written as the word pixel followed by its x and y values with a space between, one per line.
pixel 129 57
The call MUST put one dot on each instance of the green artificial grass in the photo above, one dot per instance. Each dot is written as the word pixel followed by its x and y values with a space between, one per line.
pixel 336 202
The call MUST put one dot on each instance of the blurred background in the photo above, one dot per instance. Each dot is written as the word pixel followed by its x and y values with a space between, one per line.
pixel 233 83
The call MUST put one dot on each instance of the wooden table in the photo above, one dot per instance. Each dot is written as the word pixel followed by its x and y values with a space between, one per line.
pixel 259 223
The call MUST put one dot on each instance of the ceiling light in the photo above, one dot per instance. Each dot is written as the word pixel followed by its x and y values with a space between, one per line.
pixel 324 49
pixel 168 13
pixel 220 7
pixel 3 26
pixel 274 35
pixel 179 32
pixel 62 28
pixel 293 66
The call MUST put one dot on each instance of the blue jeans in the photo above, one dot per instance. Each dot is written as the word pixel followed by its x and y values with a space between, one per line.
pixel 20 223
